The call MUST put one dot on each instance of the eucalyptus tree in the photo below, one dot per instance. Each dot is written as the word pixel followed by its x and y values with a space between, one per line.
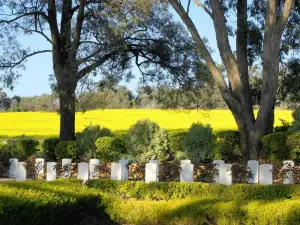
pixel 265 32
pixel 92 37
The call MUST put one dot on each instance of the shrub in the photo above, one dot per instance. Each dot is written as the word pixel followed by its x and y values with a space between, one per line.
pixel 110 149
pixel 21 148
pixel 198 143
pixel 66 149
pixel 49 146
pixel 146 140
pixel 296 123
pixel 228 146
pixel 57 202
pixel 274 147
pixel 176 144
pixel 293 143
pixel 4 162
pixel 87 138
pixel 169 171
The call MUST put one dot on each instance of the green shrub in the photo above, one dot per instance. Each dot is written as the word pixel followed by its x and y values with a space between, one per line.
pixel 293 143
pixel 4 161
pixel 110 149
pixel 275 148
pixel 296 123
pixel 49 146
pixel 146 140
pixel 176 144
pixel 198 143
pixel 66 149
pixel 87 138
pixel 21 148
pixel 41 203
pixel 228 146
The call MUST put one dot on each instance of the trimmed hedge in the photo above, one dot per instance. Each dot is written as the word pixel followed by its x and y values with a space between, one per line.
pixel 177 190
pixel 35 203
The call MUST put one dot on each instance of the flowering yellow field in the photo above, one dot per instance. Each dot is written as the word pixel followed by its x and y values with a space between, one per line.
pixel 47 124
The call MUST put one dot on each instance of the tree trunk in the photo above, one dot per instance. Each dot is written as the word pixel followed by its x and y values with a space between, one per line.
pixel 66 94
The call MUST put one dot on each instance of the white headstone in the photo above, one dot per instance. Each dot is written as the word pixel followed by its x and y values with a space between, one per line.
pixel 21 171
pixel 253 167
pixel 12 173
pixel 83 171
pixel 39 167
pixel 157 163
pixel 288 177
pixel 185 161
pixel 116 171
pixel 265 174
pixel 67 164
pixel 219 165
pixel 51 171
pixel 94 164
pixel 151 172
pixel 228 175
pixel 187 172
pixel 124 173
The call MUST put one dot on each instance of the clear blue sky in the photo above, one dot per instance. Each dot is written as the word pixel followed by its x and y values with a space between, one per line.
pixel 34 80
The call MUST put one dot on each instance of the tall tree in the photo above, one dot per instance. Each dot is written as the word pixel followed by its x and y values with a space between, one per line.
pixel 268 16
pixel 90 37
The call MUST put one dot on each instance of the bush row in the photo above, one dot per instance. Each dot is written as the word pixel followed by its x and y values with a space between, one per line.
pixel 57 202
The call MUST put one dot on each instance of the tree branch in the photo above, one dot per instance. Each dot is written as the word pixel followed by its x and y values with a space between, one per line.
pixel 80 18
pixel 24 15
pixel 203 7
pixel 41 33
pixel 285 13
pixel 14 64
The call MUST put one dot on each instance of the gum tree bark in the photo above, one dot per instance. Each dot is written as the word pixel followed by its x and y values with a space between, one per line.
pixel 238 96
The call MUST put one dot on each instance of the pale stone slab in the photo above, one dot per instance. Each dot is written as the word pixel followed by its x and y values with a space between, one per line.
pixel 185 161
pixel 83 171
pixel 124 173
pixel 187 172
pixel 21 171
pixel 51 171
pixel 288 165
pixel 151 172
pixel 253 166
pixel 228 175
pixel 219 165
pixel 39 167
pixel 265 174
pixel 116 171
pixel 157 163
pixel 12 173
pixel 66 163
pixel 94 164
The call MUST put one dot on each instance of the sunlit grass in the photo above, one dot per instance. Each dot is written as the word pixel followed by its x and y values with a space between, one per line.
pixel 47 124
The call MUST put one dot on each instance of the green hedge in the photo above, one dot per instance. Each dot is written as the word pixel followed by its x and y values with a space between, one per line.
pixel 57 202
pixel 178 190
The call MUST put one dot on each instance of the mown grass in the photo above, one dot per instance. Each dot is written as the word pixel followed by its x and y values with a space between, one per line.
pixel 44 124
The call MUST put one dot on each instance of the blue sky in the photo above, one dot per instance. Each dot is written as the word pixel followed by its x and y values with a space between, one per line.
pixel 34 80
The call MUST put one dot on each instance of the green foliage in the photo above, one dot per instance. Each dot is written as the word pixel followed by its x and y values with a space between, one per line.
pixel 4 161
pixel 296 123
pixel 110 149
pixel 87 138
pixel 274 147
pixel 58 202
pixel 228 146
pixel 176 144
pixel 49 146
pixel 293 143
pixel 66 149
pixel 146 140
pixel 21 147
pixel 198 143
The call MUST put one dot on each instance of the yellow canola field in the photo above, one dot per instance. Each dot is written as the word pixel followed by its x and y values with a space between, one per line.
pixel 47 124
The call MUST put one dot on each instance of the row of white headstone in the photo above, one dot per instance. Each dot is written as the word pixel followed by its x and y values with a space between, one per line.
pixel 119 171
